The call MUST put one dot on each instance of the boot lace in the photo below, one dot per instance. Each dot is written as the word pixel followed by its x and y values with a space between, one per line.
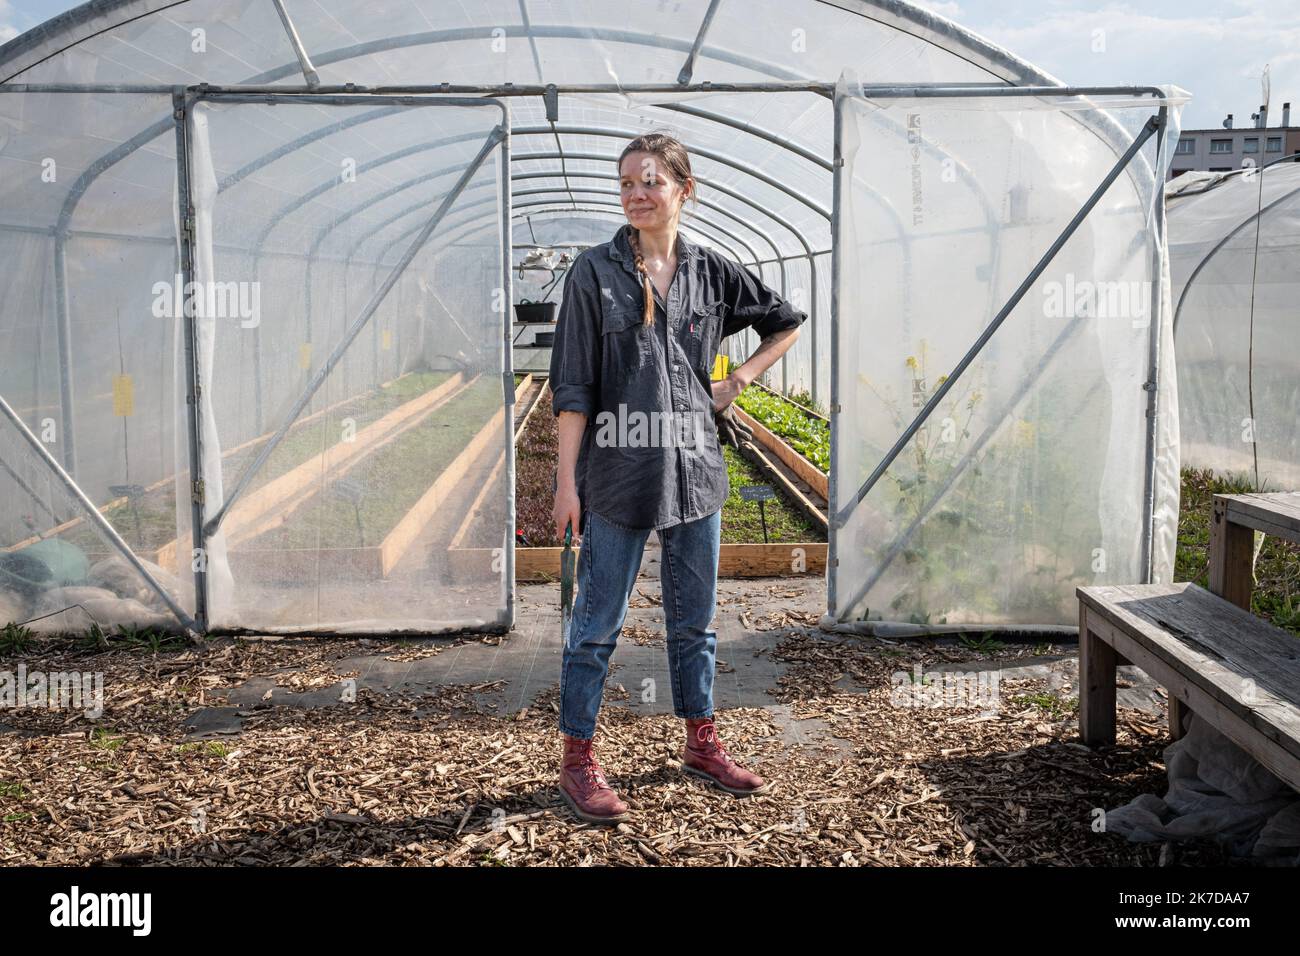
pixel 595 775
pixel 707 738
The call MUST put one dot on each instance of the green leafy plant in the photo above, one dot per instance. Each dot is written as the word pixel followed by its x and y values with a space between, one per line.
pixel 982 514
pixel 983 644
pixel 15 639
pixel 807 435
pixel 101 739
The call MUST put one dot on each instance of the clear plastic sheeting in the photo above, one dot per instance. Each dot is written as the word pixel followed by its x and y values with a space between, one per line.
pixel 89 362
pixel 349 361
pixel 763 159
pixel 352 424
pixel 1234 253
pixel 1031 475
pixel 1216 791
pixel 60 570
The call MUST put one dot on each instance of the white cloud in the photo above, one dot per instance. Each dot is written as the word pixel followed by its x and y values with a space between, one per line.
pixel 8 25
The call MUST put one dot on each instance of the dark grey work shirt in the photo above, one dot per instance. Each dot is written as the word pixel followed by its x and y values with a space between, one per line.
pixel 648 470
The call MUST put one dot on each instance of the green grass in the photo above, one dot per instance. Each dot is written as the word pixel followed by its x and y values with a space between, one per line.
pixel 212 748
pixel 1058 708
pixel 101 739
pixel 984 643
pixel 12 790
pixel 741 520
pixel 1276 596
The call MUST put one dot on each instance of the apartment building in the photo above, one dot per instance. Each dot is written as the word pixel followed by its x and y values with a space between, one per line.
pixel 1229 148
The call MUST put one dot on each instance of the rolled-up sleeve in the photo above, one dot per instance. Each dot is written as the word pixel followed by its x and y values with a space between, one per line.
pixel 575 353
pixel 751 303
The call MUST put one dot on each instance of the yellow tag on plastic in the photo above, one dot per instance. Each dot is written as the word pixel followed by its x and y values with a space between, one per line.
pixel 719 368
pixel 304 355
pixel 123 396
pixel 387 339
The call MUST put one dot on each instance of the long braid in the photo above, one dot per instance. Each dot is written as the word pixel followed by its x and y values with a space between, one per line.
pixel 633 236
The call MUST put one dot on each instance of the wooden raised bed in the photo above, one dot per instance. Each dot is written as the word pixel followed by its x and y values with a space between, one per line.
pixel 378 561
pixel 540 564
pixel 166 554
pixel 734 561
pixel 801 466
pixel 263 509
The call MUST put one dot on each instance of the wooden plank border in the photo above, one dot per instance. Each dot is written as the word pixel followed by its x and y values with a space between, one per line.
pixel 404 534
pixel 801 466
pixel 534 565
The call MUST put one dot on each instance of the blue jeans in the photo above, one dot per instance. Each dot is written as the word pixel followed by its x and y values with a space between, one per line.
pixel 608 562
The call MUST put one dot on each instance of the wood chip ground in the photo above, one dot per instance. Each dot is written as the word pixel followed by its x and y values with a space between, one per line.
pixel 424 779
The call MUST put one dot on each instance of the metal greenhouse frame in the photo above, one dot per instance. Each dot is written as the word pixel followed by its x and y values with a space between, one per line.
pixel 751 231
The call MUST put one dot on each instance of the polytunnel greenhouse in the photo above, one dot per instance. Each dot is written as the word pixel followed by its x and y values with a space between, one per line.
pixel 1234 259
pixel 254 244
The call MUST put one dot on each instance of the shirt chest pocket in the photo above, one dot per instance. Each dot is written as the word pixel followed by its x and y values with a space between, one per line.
pixel 704 334
pixel 626 338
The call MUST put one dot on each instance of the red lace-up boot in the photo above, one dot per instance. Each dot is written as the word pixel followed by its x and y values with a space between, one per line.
pixel 705 756
pixel 583 785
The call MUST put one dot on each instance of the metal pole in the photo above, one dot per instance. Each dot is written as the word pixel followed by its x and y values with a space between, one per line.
pixel 193 390
pixel 1152 384
pixel 378 297
pixel 688 68
pixel 508 365
pixel 839 517
pixel 63 325
pixel 820 87
pixel 812 326
pixel 785 381
pixel 304 61
pixel 837 198
pixel 92 513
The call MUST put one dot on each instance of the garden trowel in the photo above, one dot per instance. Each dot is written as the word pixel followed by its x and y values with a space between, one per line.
pixel 567 568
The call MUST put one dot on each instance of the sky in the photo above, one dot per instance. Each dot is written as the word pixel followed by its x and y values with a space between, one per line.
pixel 1215 50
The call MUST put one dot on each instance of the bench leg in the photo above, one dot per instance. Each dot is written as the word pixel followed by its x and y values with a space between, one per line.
pixel 1097 661
pixel 1232 552
pixel 1177 715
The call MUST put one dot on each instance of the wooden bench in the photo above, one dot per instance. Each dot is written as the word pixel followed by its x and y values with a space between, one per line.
pixel 1233 524
pixel 1234 670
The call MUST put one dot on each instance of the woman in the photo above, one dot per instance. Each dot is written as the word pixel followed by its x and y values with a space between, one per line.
pixel 638 331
